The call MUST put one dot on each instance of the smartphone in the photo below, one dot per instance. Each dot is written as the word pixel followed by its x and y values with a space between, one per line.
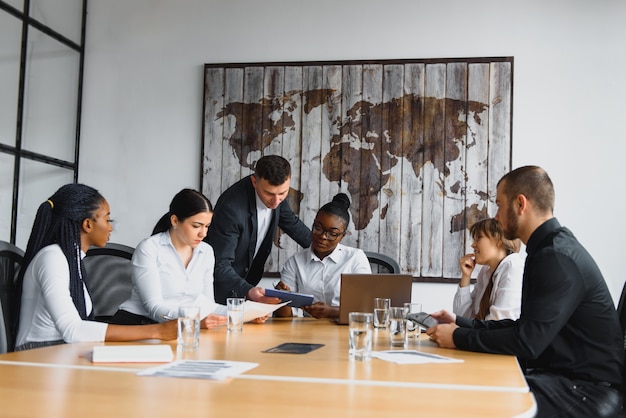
pixel 422 319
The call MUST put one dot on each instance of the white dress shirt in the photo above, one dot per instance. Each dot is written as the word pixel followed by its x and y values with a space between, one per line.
pixel 506 294
pixel 161 283
pixel 47 311
pixel 264 219
pixel 304 272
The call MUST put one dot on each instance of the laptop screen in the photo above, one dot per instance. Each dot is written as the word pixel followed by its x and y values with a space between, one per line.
pixel 359 290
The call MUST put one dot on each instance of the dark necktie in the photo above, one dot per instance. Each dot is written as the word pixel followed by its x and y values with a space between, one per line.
pixel 255 273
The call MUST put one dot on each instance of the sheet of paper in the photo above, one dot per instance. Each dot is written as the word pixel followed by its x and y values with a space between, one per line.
pixel 147 353
pixel 200 369
pixel 252 310
pixel 412 357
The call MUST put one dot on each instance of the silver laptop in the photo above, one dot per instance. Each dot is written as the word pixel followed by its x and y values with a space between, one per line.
pixel 359 290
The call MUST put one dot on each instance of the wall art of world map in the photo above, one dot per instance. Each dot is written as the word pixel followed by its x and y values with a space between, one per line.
pixel 418 146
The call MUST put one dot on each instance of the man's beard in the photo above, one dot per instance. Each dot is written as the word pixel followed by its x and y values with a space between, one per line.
pixel 512 224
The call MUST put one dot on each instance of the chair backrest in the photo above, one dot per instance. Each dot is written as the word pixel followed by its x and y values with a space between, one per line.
pixel 10 262
pixel 621 313
pixel 109 278
pixel 381 263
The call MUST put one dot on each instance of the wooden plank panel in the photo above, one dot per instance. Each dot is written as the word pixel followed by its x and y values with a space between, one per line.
pixel 476 144
pixel 312 141
pixel 454 160
pixel 412 163
pixel 233 132
pixel 213 132
pixel 391 135
pixel 432 231
pixel 370 148
pixel 272 133
pixel 329 181
pixel 272 122
pixel 252 138
pixel 291 122
pixel 500 99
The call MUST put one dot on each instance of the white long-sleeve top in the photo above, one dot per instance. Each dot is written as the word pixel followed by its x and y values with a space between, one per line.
pixel 506 294
pixel 161 283
pixel 47 311
pixel 304 272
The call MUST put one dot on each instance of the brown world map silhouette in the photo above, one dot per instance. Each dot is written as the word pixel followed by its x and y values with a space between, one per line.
pixel 376 135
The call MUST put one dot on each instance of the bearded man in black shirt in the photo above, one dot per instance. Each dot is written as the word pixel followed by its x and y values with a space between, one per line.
pixel 568 338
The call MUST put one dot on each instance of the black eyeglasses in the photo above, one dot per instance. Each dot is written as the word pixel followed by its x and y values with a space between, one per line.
pixel 330 235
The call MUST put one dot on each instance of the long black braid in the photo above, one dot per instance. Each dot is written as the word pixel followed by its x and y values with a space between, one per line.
pixel 59 221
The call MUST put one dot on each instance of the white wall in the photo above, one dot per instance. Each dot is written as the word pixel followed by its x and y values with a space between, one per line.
pixel 142 107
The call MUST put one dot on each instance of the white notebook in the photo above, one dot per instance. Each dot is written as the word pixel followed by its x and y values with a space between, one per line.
pixel 160 353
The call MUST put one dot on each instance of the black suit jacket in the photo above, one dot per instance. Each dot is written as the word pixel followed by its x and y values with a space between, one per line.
pixel 233 236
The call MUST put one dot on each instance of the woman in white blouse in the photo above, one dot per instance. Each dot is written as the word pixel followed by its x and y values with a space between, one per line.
pixel 55 304
pixel 317 270
pixel 498 290
pixel 174 267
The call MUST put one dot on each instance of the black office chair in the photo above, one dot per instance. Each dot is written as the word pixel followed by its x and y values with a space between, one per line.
pixel 10 262
pixel 109 278
pixel 381 263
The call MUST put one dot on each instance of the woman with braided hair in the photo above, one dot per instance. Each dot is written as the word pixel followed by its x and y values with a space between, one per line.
pixel 55 305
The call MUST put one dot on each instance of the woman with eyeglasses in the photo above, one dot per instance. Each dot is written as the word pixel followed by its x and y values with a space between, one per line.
pixel 317 270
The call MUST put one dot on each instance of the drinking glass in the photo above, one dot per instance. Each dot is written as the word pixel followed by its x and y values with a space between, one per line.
pixel 381 312
pixel 412 329
pixel 361 329
pixel 397 326
pixel 234 308
pixel 188 327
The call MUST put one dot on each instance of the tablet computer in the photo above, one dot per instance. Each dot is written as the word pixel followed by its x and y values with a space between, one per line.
pixel 293 348
pixel 298 300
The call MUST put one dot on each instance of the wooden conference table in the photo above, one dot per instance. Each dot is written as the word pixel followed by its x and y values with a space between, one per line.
pixel 61 381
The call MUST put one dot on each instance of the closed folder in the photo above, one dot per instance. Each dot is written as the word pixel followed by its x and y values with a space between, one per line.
pixel 148 353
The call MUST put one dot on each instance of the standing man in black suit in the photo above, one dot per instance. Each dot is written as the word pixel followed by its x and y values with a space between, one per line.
pixel 244 223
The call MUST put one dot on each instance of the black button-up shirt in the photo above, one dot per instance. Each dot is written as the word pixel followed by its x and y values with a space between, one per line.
pixel 568 324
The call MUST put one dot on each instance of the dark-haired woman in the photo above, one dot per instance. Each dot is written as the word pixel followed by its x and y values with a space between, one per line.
pixel 174 267
pixel 317 270
pixel 55 305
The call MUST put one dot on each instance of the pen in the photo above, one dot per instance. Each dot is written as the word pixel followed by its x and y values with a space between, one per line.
pixel 167 318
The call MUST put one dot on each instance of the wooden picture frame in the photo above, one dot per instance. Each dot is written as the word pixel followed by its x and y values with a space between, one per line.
pixel 418 145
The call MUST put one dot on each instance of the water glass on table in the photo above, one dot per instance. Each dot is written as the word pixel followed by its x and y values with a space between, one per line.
pixel 412 329
pixel 397 326
pixel 360 325
pixel 188 327
pixel 381 312
pixel 234 308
